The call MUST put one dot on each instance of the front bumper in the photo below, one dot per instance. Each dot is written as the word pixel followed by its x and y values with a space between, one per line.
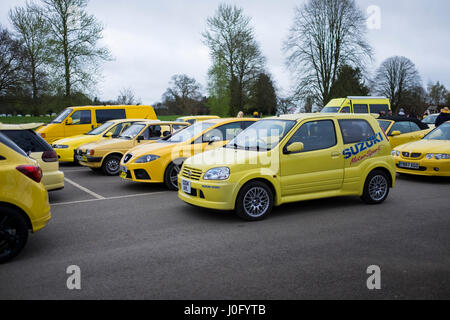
pixel 151 172
pixel 427 167
pixel 65 155
pixel 217 195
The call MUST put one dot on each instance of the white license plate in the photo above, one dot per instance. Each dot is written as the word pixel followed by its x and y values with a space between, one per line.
pixel 408 165
pixel 123 169
pixel 186 186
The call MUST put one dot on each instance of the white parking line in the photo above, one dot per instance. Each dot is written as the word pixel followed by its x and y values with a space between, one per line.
pixel 92 193
pixel 110 198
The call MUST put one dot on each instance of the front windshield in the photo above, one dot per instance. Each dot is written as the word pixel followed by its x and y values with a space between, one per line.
pixel 132 131
pixel 189 132
pixel 384 124
pixel 100 129
pixel 331 109
pixel 263 135
pixel 430 119
pixel 440 133
pixel 62 116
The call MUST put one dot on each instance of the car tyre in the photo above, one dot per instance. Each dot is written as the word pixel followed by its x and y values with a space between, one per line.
pixel 13 233
pixel 111 165
pixel 171 176
pixel 254 201
pixel 376 187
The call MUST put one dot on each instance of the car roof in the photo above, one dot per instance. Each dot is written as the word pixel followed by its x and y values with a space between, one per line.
pixel 159 122
pixel 22 126
pixel 303 116
pixel 404 119
pixel 106 107
pixel 221 120
pixel 199 117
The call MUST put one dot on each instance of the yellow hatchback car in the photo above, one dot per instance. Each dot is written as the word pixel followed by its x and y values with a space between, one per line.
pixel 161 162
pixel 195 119
pixel 105 155
pixel 65 148
pixel 26 138
pixel 24 202
pixel 427 157
pixel 292 158
pixel 401 130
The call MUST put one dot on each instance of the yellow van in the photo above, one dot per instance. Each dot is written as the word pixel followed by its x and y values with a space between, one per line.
pixel 292 158
pixel 358 105
pixel 195 119
pixel 79 120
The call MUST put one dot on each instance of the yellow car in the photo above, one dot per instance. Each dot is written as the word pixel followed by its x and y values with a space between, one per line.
pixel 292 158
pixel 78 120
pixel 24 202
pixel 30 142
pixel 194 119
pixel 161 162
pixel 65 148
pixel 401 130
pixel 105 155
pixel 427 157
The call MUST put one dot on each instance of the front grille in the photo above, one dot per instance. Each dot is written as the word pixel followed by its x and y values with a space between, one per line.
pixel 405 154
pixel 191 173
pixel 127 158
pixel 141 174
pixel 416 155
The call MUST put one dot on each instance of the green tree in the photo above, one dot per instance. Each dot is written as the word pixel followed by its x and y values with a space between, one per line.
pixel 74 43
pixel 437 94
pixel 218 89
pixel 232 45
pixel 349 82
pixel 263 97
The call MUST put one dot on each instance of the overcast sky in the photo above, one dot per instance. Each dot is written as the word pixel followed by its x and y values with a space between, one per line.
pixel 153 40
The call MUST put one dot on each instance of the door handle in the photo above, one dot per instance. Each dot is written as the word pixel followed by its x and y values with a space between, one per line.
pixel 335 154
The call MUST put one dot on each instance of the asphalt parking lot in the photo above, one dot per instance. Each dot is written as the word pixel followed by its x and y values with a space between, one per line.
pixel 137 241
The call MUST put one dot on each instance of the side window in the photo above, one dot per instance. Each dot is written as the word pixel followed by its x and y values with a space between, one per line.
pixel 315 135
pixel 116 130
pixel 81 117
pixel 27 140
pixel 354 131
pixel 345 110
pixel 360 108
pixel 109 114
pixel 177 127
pixel 226 132
pixel 152 133
pixel 402 126
pixel 246 124
pixel 414 127
pixel 377 108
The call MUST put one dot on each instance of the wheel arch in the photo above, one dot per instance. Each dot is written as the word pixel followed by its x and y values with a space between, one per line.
pixel 19 210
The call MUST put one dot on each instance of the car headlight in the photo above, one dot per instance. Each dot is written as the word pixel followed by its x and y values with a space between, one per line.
pixel 430 156
pixel 396 153
pixel 90 152
pixel 147 158
pixel 60 146
pixel 217 174
pixel 442 156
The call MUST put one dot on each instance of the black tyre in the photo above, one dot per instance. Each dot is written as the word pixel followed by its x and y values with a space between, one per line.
pixel 13 233
pixel 376 188
pixel 254 201
pixel 111 165
pixel 171 176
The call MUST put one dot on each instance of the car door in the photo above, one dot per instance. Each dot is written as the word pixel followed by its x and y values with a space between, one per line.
pixel 319 167
pixel 404 128
pixel 81 123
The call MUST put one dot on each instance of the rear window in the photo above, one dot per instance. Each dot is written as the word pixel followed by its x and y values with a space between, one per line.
pixel 109 114
pixel 10 144
pixel 28 140
pixel 354 131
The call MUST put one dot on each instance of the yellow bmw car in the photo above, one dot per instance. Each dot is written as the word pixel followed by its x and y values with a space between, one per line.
pixel 161 162
pixel 427 157
pixel 65 148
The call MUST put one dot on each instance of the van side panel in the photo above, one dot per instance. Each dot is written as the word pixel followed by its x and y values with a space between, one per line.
pixel 141 112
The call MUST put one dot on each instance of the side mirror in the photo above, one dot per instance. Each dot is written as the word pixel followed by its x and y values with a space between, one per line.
pixel 166 133
pixel 69 121
pixel 214 139
pixel 108 135
pixel 421 136
pixel 396 133
pixel 139 139
pixel 295 147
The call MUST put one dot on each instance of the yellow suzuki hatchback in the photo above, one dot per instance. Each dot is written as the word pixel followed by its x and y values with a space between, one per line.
pixel 78 120
pixel 24 202
pixel 292 158
pixel 65 148
pixel 105 155
pixel 26 138
pixel 161 162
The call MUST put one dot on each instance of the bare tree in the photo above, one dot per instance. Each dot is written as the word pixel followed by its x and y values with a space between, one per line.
pixel 231 42
pixel 127 97
pixel 183 93
pixel 32 29
pixel 437 94
pixel 11 61
pixel 75 35
pixel 394 78
pixel 325 35
pixel 285 105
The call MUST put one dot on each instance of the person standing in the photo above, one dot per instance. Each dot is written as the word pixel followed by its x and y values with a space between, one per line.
pixel 444 116
pixel 402 113
pixel 240 114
